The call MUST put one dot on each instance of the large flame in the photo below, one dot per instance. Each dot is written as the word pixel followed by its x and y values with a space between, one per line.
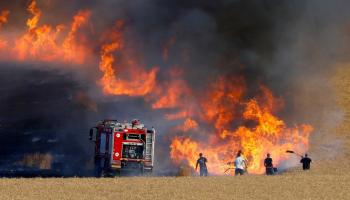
pixel 139 83
pixel 48 43
pixel 218 120
pixel 258 130
pixel 72 50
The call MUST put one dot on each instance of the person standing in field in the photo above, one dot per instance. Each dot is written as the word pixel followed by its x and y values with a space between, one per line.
pixel 202 162
pixel 240 164
pixel 306 162
pixel 268 165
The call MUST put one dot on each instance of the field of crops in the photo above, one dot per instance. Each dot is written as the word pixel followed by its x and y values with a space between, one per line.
pixel 289 186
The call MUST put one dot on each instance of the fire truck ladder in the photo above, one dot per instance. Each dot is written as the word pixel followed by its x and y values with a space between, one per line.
pixel 149 145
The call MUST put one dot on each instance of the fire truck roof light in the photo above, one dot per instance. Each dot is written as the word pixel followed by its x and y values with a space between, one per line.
pixel 126 130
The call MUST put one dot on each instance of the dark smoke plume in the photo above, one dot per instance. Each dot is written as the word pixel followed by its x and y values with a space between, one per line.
pixel 289 45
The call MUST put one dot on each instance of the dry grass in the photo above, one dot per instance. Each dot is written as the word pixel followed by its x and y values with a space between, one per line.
pixel 325 181
pixel 289 186
pixel 37 160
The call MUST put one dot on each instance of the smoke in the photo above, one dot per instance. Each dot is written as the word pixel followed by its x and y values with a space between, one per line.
pixel 40 114
pixel 291 47
pixel 308 53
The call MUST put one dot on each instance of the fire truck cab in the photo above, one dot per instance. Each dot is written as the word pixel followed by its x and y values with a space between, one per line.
pixel 122 146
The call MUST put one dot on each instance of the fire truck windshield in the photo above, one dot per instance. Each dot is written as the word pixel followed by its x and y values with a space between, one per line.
pixel 134 137
pixel 132 151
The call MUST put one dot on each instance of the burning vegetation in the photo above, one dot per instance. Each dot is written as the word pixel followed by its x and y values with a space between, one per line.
pixel 257 133
pixel 217 117
pixel 37 160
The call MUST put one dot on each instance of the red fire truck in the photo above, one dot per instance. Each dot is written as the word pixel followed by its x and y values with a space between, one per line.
pixel 122 146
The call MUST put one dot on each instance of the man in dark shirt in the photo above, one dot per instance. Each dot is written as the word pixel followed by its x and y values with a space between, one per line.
pixel 268 165
pixel 306 162
pixel 202 162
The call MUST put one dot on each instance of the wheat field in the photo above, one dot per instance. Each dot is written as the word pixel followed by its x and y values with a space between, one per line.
pixel 326 180
pixel 290 186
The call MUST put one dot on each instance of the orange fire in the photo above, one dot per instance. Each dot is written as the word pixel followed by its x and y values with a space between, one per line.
pixel 176 95
pixel 265 134
pixel 3 17
pixel 139 83
pixel 171 93
pixel 171 97
pixel 223 102
pixel 43 42
pixel 3 43
pixel 72 50
pixel 3 20
pixel 218 119
pixel 188 124
pixel 34 10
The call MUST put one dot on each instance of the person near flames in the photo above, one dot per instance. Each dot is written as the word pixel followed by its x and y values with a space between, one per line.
pixel 268 165
pixel 306 162
pixel 240 164
pixel 202 162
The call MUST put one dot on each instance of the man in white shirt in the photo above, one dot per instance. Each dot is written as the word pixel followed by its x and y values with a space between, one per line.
pixel 240 164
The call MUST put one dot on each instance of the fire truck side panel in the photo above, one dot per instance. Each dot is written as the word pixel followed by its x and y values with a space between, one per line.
pixel 98 141
pixel 102 145
pixel 117 149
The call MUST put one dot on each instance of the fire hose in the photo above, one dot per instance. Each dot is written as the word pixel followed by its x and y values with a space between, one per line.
pixel 230 163
pixel 230 167
pixel 289 151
